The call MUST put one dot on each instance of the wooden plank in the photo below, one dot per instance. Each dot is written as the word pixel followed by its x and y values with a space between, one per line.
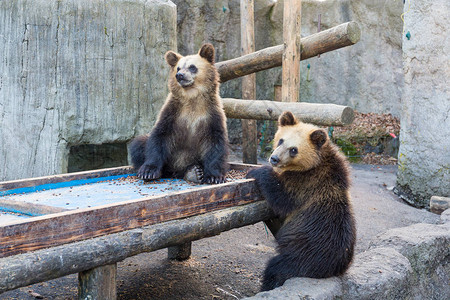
pixel 337 37
pixel 50 263
pixel 26 208
pixel 31 182
pixel 249 131
pixel 66 227
pixel 316 113
pixel 84 175
pixel 290 87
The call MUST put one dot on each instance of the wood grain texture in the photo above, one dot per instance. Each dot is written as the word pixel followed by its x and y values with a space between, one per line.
pixel 66 227
pixel 45 264
pixel 337 37
pixel 249 131
pixel 316 113
pixel 98 283
pixel 26 208
pixel 292 12
pixel 30 182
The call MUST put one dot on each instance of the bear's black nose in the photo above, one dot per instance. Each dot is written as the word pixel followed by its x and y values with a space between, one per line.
pixel 274 160
pixel 179 76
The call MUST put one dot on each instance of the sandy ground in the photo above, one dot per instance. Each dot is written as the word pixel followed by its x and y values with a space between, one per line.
pixel 229 266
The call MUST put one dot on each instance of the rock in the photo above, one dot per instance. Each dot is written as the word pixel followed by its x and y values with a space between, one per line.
pixel 78 72
pixel 304 288
pixel 424 163
pixel 378 273
pixel 427 247
pixel 445 217
pixel 439 204
pixel 360 76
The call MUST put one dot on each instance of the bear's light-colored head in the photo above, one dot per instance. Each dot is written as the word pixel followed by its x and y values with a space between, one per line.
pixel 297 145
pixel 193 73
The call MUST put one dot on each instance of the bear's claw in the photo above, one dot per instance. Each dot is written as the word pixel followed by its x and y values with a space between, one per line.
pixel 194 174
pixel 214 179
pixel 147 172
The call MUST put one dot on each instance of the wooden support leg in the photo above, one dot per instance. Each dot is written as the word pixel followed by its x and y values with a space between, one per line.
pixel 249 129
pixel 98 283
pixel 180 252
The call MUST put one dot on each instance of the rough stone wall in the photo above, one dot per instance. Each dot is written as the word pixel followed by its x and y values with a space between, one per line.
pixel 424 160
pixel 78 72
pixel 366 76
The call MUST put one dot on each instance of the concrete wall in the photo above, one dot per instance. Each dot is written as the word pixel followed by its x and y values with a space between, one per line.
pixel 367 76
pixel 424 155
pixel 78 72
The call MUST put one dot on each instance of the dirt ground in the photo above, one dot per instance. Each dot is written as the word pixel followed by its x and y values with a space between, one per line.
pixel 229 266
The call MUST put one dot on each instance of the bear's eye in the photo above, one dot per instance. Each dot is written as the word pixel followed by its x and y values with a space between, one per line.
pixel 192 69
pixel 280 142
pixel 178 69
pixel 293 152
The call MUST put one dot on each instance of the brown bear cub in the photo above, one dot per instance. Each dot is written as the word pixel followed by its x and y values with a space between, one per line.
pixel 308 188
pixel 190 133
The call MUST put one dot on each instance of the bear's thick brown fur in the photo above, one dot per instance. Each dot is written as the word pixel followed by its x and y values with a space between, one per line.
pixel 308 188
pixel 191 127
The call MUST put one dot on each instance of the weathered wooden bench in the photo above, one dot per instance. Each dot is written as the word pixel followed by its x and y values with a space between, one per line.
pixel 62 235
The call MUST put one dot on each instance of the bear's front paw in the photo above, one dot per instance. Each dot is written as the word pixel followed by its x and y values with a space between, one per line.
pixel 214 179
pixel 259 173
pixel 148 172
pixel 194 174
pixel 253 173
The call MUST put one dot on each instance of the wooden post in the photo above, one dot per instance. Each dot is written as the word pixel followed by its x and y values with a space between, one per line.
pixel 98 283
pixel 249 132
pixel 291 56
pixel 180 252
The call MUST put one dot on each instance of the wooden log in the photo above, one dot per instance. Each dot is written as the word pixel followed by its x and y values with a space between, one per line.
pixel 319 114
pixel 290 88
pixel 45 264
pixel 328 40
pixel 98 283
pixel 249 132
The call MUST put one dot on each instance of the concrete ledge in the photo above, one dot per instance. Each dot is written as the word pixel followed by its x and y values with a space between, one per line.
pixel 403 263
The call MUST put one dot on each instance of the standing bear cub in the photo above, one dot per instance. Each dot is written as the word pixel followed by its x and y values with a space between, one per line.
pixel 308 188
pixel 190 133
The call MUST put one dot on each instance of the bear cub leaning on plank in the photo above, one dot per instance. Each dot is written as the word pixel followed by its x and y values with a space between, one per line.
pixel 190 136
pixel 308 188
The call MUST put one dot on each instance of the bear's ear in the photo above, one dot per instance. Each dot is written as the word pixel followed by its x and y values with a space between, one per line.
pixel 287 119
pixel 207 52
pixel 318 138
pixel 172 58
